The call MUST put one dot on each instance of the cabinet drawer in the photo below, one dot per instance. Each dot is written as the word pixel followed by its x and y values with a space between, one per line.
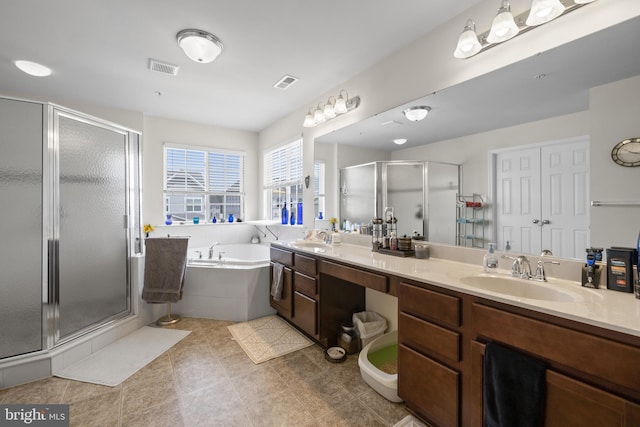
pixel 429 304
pixel 562 345
pixel 425 336
pixel 305 285
pixel 305 264
pixel 281 256
pixel 357 276
pixel 428 387
pixel 305 313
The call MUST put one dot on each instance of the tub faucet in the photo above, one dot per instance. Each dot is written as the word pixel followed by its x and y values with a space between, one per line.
pixel 211 249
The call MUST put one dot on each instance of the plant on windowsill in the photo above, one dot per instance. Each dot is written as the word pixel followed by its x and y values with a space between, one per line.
pixel 148 228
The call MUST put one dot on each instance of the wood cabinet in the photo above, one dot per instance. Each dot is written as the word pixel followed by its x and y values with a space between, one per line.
pixel 429 376
pixel 315 308
pixel 591 377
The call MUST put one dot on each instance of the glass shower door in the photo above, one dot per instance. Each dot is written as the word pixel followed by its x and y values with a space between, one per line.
pixel 92 269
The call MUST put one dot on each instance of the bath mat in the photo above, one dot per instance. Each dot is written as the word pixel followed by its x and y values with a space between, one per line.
pixel 267 338
pixel 119 360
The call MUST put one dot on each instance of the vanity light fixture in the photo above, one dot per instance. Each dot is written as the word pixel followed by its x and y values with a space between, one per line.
pixel 544 11
pixel 33 68
pixel 200 46
pixel 417 113
pixel 330 109
pixel 505 26
pixel 399 141
pixel 468 43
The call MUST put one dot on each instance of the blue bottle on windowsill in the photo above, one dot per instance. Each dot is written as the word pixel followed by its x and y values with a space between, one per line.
pixel 299 216
pixel 285 214
pixel 292 217
pixel 230 219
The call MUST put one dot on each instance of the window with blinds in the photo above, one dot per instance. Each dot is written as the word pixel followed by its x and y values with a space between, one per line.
pixel 203 183
pixel 282 178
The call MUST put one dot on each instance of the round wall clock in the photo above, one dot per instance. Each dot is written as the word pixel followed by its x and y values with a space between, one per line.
pixel 627 152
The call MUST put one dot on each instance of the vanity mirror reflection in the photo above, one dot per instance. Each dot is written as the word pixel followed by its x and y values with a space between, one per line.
pixel 588 88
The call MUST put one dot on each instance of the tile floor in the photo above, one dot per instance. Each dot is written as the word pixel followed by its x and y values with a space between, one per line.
pixel 207 380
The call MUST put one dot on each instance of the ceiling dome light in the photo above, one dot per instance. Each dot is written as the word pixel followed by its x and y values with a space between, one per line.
pixel 504 26
pixel 400 141
pixel 200 46
pixel 415 114
pixel 468 43
pixel 33 68
pixel 544 11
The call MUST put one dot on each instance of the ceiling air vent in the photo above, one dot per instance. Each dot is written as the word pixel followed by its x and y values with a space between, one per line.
pixel 285 82
pixel 163 67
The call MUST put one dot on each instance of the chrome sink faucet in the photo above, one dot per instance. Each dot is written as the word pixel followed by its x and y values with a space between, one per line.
pixel 521 267
pixel 540 275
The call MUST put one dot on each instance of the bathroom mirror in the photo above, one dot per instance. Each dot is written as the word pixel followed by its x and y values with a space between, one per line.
pixel 552 89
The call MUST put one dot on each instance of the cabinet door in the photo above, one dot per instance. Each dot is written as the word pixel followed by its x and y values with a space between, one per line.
pixel 284 306
pixel 305 313
pixel 428 387
pixel 573 403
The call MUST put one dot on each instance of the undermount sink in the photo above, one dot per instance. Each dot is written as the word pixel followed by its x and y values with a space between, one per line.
pixel 518 288
pixel 310 244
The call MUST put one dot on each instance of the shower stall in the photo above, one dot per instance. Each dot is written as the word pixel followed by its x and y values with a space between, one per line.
pixel 70 191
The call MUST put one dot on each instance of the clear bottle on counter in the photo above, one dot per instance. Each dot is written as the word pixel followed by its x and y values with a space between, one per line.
pixel 490 260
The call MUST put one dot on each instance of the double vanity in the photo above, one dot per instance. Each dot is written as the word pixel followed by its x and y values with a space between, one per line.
pixel 448 311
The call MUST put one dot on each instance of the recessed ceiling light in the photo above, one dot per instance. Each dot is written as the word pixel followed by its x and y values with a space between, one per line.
pixel 400 141
pixel 33 68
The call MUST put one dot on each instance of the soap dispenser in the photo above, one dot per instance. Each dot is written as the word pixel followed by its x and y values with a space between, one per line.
pixel 490 260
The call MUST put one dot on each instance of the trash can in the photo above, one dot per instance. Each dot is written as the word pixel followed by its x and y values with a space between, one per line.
pixel 369 325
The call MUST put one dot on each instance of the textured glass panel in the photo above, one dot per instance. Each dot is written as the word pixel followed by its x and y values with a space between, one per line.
pixel 92 248
pixel 21 249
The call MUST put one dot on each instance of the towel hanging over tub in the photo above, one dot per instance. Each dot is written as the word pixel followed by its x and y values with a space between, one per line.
pixel 277 281
pixel 165 266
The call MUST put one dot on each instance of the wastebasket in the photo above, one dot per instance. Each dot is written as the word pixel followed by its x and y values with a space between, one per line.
pixel 369 325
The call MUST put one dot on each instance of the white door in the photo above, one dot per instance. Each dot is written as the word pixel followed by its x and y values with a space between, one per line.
pixel 565 205
pixel 518 200
pixel 542 199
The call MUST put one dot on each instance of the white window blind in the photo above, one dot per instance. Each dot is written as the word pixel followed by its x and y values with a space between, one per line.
pixel 283 166
pixel 204 183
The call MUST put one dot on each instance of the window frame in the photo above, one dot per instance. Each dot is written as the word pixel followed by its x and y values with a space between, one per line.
pixel 279 189
pixel 192 196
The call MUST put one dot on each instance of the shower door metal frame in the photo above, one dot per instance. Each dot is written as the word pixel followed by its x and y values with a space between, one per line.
pixel 51 221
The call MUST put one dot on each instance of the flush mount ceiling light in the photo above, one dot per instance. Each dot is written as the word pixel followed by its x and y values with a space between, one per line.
pixel 417 113
pixel 200 46
pixel 330 109
pixel 33 68
pixel 505 26
pixel 399 141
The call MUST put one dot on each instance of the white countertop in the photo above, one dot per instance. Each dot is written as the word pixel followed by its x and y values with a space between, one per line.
pixel 618 311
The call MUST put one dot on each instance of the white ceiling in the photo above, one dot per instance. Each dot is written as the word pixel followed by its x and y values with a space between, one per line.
pixel 99 52
pixel 510 96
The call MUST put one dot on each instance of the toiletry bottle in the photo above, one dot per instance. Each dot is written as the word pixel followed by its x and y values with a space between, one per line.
pixel 292 216
pixel 490 260
pixel 285 214
pixel 299 217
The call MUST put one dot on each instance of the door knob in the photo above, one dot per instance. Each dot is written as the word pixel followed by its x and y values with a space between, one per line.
pixel 545 222
pixel 536 221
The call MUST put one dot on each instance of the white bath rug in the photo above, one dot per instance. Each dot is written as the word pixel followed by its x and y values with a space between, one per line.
pixel 410 421
pixel 267 338
pixel 119 360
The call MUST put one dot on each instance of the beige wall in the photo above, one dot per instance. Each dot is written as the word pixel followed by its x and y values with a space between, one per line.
pixel 158 130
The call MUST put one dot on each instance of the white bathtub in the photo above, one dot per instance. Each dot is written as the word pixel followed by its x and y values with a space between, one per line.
pixel 234 287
